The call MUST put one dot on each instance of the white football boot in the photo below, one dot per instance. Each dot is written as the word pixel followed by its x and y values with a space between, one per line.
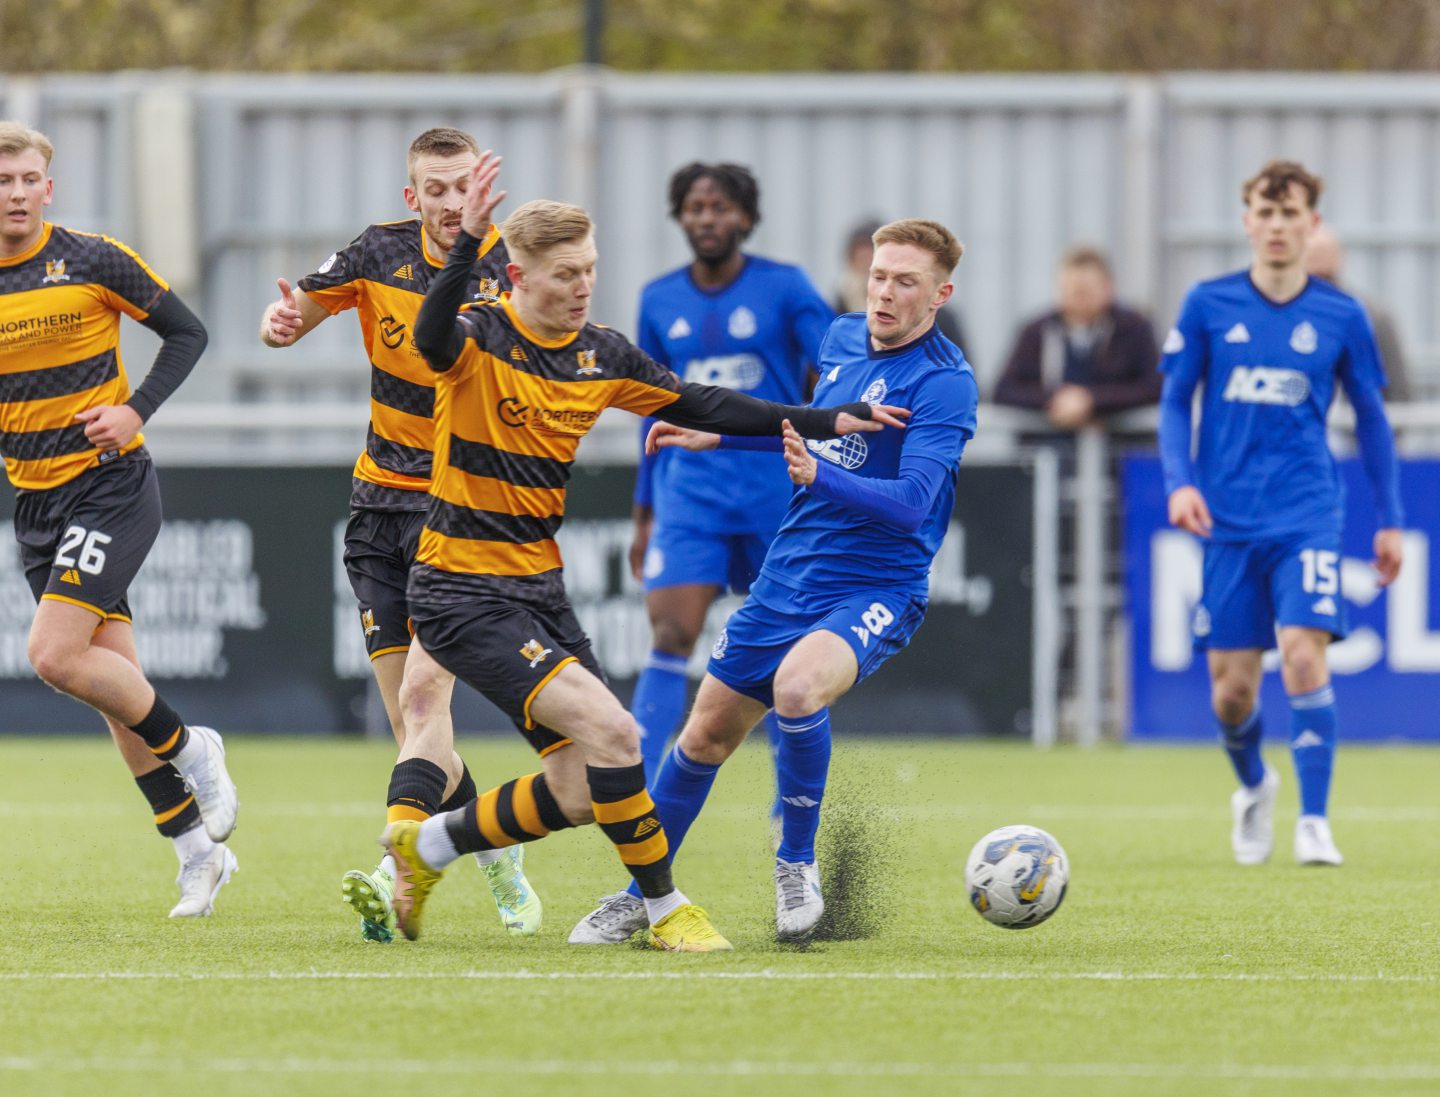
pixel 618 918
pixel 201 878
pixel 1313 843
pixel 1253 812
pixel 798 902
pixel 202 767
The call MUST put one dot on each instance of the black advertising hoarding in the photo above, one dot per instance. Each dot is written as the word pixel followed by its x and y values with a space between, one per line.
pixel 245 620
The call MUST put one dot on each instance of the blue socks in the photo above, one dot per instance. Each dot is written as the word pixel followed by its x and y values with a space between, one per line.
pixel 802 764
pixel 1242 744
pixel 658 705
pixel 679 792
pixel 1312 746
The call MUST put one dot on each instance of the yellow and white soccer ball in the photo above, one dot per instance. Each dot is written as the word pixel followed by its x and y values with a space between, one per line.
pixel 1016 876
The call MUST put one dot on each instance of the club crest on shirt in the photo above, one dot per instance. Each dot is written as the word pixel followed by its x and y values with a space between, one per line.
pixel 536 653
pixel 875 394
pixel 55 272
pixel 742 323
pixel 587 366
pixel 1303 339
pixel 679 329
pixel 848 452
pixel 488 290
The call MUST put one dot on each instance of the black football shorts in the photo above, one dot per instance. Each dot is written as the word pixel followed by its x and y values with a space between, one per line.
pixel 380 546
pixel 507 650
pixel 84 541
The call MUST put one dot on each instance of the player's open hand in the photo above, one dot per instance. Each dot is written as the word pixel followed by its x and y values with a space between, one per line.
pixel 1389 552
pixel 799 459
pixel 881 416
pixel 110 426
pixel 481 198
pixel 669 436
pixel 282 319
pixel 1189 512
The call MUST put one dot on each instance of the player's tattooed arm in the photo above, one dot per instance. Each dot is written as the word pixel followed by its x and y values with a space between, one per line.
pixel 439 334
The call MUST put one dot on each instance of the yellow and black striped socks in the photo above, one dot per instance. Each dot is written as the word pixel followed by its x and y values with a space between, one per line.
pixel 170 801
pixel 627 815
pixel 518 811
pixel 416 788
pixel 163 730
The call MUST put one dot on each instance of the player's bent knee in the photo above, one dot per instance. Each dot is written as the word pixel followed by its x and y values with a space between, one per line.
pixel 795 695
pixel 673 638
pixel 1233 705
pixel 1304 663
pixel 53 662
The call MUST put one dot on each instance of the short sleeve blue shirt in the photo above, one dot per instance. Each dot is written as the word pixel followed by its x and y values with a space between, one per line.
pixel 758 335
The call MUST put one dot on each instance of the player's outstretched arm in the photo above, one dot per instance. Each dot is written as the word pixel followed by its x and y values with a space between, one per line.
pixel 286 321
pixel 709 408
pixel 439 334
pixel 669 436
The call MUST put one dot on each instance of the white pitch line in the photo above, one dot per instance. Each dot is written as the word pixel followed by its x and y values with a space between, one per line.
pixel 764 975
pixel 740 1068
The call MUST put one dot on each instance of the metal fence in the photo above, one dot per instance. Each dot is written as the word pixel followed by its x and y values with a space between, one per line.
pixel 225 182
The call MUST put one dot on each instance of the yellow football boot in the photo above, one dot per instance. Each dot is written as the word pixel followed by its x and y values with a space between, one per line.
pixel 687 929
pixel 413 877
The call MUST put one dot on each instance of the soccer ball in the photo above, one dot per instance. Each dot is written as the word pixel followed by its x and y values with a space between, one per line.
pixel 1016 876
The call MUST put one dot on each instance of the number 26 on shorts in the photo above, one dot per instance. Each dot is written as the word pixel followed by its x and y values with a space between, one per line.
pixel 92 557
pixel 875 619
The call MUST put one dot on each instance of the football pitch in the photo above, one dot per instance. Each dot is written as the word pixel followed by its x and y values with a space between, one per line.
pixel 1169 970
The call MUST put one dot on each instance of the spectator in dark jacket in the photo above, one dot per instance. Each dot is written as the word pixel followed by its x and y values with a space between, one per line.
pixel 1087 358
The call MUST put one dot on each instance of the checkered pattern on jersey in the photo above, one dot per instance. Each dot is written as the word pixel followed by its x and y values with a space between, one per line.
pixel 39 445
pixel 367 496
pixel 105 262
pixel 474 524
pixel 42 384
pixel 406 460
pixel 396 392
pixel 596 347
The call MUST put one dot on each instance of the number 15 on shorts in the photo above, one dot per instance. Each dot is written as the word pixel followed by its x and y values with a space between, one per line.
pixel 1320 571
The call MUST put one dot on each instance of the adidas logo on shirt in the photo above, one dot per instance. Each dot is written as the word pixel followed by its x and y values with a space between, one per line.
pixel 679 329
pixel 1238 334
pixel 403 273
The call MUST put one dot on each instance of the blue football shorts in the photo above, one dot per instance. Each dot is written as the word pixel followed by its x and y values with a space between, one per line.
pixel 677 556
pixel 1251 588
pixel 876 623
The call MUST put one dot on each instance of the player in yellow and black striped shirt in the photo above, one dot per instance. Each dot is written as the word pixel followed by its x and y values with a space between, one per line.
pixel 383 275
pixel 521 383
pixel 88 503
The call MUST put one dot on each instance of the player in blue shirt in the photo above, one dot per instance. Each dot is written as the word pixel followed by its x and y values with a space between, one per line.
pixel 845 583
pixel 704 520
pixel 1269 344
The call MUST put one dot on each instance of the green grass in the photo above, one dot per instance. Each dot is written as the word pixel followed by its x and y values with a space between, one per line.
pixel 1168 971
